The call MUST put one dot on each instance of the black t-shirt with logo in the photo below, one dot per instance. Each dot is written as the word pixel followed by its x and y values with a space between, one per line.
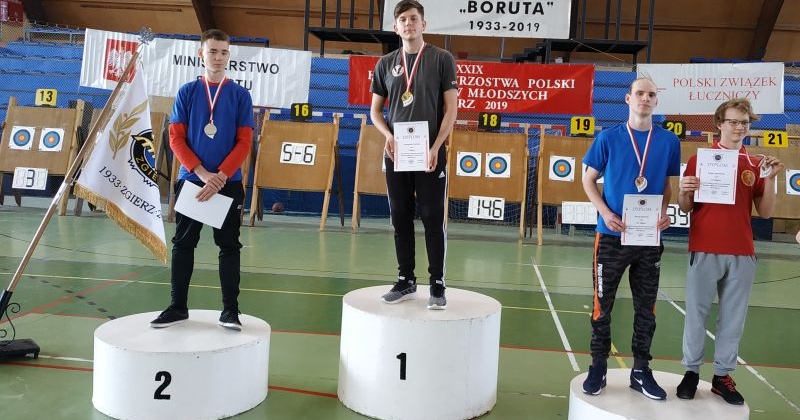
pixel 436 74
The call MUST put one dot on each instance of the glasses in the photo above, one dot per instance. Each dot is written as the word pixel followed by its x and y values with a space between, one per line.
pixel 736 123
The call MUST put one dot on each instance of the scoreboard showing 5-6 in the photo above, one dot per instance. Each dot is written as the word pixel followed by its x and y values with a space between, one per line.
pixel 298 153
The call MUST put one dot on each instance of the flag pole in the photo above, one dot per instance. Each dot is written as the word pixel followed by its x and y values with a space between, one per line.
pixel 5 298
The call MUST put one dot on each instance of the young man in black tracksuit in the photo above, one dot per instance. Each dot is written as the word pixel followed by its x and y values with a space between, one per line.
pixel 419 81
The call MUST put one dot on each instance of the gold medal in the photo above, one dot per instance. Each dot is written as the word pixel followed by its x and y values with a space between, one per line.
pixel 641 183
pixel 210 129
pixel 407 97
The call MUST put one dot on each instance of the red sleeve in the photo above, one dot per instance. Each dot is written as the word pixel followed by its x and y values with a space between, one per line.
pixel 179 146
pixel 244 140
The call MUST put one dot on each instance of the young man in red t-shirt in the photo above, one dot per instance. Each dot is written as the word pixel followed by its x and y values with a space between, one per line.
pixel 722 257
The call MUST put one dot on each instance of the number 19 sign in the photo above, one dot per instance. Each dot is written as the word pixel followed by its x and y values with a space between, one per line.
pixel 298 153
pixel 489 208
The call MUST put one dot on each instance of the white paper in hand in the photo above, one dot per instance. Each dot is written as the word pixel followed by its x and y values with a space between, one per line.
pixel 211 212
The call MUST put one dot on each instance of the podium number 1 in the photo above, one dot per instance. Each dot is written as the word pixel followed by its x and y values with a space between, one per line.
pixel 165 378
pixel 402 357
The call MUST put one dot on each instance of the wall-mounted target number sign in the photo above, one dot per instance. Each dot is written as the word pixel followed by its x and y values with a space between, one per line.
pixel 489 121
pixel 45 97
pixel 677 127
pixel 301 112
pixel 775 139
pixel 581 126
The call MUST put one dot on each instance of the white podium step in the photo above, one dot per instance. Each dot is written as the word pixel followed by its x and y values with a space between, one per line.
pixel 618 401
pixel 406 362
pixel 196 370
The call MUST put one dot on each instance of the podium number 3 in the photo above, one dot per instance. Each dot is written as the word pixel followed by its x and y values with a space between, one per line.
pixel 402 357
pixel 165 378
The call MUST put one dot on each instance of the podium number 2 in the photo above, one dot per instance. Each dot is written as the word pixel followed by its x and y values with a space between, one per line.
pixel 165 378
pixel 402 357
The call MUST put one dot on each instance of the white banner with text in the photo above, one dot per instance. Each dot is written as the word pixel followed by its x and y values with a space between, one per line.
pixel 698 89
pixel 511 19
pixel 275 77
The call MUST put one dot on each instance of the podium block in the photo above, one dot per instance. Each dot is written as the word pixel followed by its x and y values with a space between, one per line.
pixel 196 370
pixel 406 362
pixel 618 401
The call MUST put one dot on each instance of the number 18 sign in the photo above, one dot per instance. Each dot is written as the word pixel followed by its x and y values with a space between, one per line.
pixel 489 208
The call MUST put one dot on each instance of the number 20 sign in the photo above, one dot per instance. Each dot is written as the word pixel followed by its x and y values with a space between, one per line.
pixel 298 153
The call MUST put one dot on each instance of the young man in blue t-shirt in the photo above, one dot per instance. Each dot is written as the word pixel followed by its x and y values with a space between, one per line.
pixel 636 157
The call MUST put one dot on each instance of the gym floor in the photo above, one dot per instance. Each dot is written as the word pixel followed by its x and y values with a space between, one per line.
pixel 86 271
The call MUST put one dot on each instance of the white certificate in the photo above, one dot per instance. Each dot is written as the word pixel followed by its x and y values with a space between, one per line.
pixel 640 215
pixel 211 212
pixel 411 146
pixel 716 172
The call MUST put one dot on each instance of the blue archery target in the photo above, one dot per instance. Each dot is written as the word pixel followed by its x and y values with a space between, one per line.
pixel 21 138
pixel 793 182
pixel 498 165
pixel 469 164
pixel 562 168
pixel 51 139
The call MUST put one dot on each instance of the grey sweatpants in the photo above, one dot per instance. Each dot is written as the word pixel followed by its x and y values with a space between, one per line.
pixel 731 278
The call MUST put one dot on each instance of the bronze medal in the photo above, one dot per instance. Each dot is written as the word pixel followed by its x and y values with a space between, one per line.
pixel 641 183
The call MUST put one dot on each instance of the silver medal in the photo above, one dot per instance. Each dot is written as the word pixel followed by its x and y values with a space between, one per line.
pixel 210 129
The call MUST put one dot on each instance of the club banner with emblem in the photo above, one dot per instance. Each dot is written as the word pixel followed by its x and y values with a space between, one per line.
pixel 501 87
pixel 120 176
pixel 698 89
pixel 509 19
pixel 275 77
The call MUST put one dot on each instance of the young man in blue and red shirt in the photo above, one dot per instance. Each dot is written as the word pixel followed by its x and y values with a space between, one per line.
pixel 210 133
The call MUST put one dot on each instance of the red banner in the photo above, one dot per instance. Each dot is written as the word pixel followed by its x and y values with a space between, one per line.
pixel 501 87
pixel 11 12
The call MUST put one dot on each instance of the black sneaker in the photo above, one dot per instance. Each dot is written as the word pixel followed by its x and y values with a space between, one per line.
pixel 725 387
pixel 170 317
pixel 402 290
pixel 229 318
pixel 688 386
pixel 595 380
pixel 437 299
pixel 642 380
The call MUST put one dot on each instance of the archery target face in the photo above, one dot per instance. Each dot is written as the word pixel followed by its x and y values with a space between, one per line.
pixel 51 139
pixel 498 165
pixel 21 138
pixel 793 182
pixel 469 164
pixel 562 168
